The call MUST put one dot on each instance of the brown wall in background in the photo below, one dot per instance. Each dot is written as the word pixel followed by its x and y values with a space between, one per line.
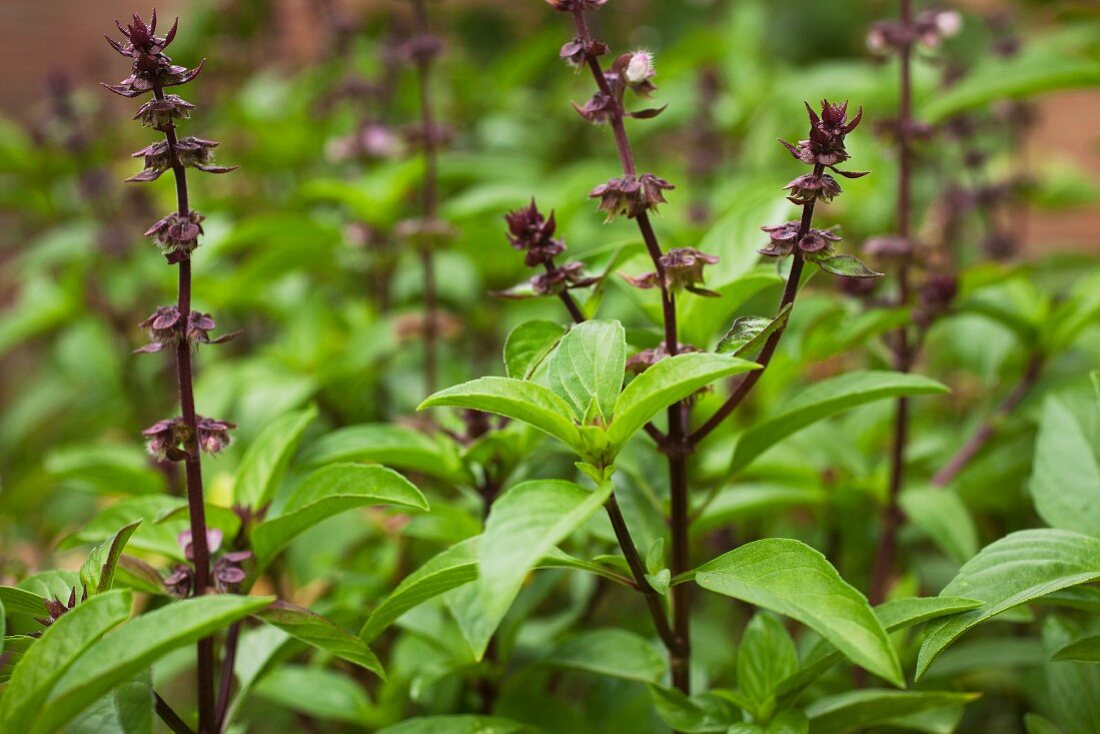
pixel 37 36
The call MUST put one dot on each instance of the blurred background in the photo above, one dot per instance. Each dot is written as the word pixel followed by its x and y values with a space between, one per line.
pixel 304 249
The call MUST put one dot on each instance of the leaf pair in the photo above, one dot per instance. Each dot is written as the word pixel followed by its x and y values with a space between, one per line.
pixel 585 406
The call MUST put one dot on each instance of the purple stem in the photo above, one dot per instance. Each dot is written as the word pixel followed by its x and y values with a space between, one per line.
pixel 192 464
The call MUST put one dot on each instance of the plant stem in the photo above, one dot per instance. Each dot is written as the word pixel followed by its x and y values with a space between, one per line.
pixel 674 445
pixel 225 683
pixel 790 292
pixel 430 201
pixel 170 718
pixel 977 442
pixel 192 464
pixel 904 355
pixel 638 570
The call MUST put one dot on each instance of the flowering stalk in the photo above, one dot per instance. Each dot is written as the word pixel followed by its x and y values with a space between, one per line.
pixel 423 49
pixel 633 196
pixel 178 327
pixel 933 295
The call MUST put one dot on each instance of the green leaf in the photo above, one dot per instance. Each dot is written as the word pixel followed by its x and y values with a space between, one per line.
pixel 105 468
pixel 856 710
pixel 316 692
pixel 456 566
pixel 329 491
pixel 747 334
pixel 702 713
pixel 588 367
pixel 527 346
pixel 524 524
pixel 123 653
pixel 98 572
pixel 1065 475
pixel 793 579
pixel 264 463
pixel 825 399
pixel 1042 68
pixel 399 447
pixel 1082 650
pixel 943 516
pixel 126 710
pixel 59 647
pixel 315 630
pixel 21 601
pixel 701 318
pixel 1036 724
pixel 766 658
pixel 461 724
pixel 1078 312
pixel 846 265
pixel 739 501
pixel 1074 688
pixel 450 569
pixel 895 615
pixel 612 652
pixel 901 614
pixel 524 401
pixel 665 383
pixel 1013 570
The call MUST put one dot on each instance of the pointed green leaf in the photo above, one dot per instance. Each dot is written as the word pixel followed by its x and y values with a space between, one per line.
pixel 524 524
pixel 264 463
pixel 128 709
pixel 316 692
pixel 793 579
pixel 315 630
pixel 329 491
pixel 398 447
pixel 450 569
pixel 846 265
pixel 701 318
pixel 1011 571
pixel 1081 650
pixel 857 710
pixel 527 346
pixel 98 572
pixel 1065 476
pixel 588 367
pixel 665 383
pixel 766 658
pixel 612 652
pixel 825 399
pixel 1073 688
pixel 134 646
pixel 895 615
pixel 21 601
pixel 944 517
pixel 1036 724
pixel 60 645
pixel 456 566
pixel 460 724
pixel 524 401
pixel 747 334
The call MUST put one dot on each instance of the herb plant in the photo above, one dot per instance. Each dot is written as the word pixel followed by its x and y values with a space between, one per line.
pixel 733 474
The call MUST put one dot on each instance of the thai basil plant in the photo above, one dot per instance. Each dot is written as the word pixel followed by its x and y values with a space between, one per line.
pixel 716 432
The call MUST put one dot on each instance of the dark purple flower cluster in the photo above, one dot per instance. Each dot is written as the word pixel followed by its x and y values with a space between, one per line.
pixel 152 69
pixel 824 148
pixel 55 607
pixel 629 196
pixel 167 329
pixel 533 233
pixel 681 268
pixel 167 439
pixel 227 570
pixel 828 130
